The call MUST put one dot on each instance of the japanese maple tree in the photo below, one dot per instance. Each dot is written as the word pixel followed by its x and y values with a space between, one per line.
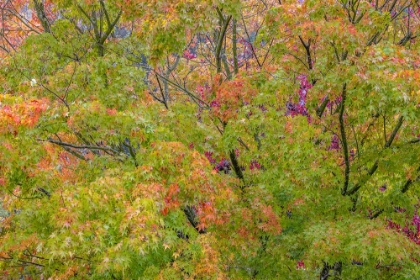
pixel 210 139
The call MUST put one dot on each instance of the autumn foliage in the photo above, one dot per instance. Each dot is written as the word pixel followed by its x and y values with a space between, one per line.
pixel 210 139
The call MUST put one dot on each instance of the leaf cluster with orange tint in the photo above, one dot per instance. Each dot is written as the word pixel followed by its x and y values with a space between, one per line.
pixel 230 96
pixel 24 114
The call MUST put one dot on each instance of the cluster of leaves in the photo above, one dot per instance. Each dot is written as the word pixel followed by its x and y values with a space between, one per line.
pixel 210 139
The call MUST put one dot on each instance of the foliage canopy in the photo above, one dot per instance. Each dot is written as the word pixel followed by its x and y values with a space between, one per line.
pixel 210 139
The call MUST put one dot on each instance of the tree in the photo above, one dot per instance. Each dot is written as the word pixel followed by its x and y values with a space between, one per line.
pixel 210 139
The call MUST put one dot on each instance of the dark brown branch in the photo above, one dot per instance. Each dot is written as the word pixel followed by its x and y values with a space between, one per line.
pixel 196 99
pixel 30 263
pixel 226 66
pixel 376 214
pixel 417 140
pixel 163 101
pixel 409 182
pixel 89 147
pixel 406 38
pixel 335 51
pixel 344 142
pixel 56 95
pixel 394 132
pixel 371 171
pixel 219 45
pixel 397 14
pixel 369 126
pixel 132 152
pixel 392 6
pixel 76 154
pixel 357 142
pixel 235 164
pixel 40 12
pixel 111 27
pixel 268 51
pixel 234 48
pixel 307 47
pixel 71 80
pixel 108 21
pixel 243 143
pixel 192 218
pixel 372 39
pixel 250 43
pixel 321 108
pixel 298 58
pixel 24 21
pixel 95 28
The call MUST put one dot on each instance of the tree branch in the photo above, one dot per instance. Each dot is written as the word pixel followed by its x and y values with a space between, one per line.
pixel 371 171
pixel 111 27
pixel 235 164
pixel 307 47
pixel 394 132
pixel 234 48
pixel 321 108
pixel 409 182
pixel 89 147
pixel 220 44
pixel 344 142
pixel 40 12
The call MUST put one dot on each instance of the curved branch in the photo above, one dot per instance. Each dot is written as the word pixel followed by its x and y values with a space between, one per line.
pixel 344 142
pixel 220 44
pixel 89 147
